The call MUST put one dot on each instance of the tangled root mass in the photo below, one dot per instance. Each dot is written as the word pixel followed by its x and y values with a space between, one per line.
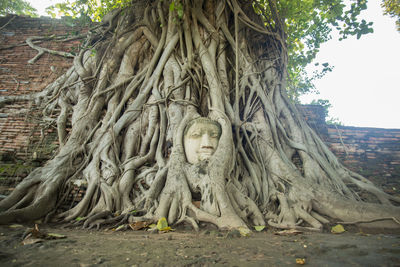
pixel 155 69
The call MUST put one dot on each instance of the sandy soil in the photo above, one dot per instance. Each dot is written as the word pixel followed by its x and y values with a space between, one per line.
pixel 205 248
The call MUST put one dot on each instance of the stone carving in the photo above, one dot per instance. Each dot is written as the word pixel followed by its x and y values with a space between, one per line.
pixel 200 139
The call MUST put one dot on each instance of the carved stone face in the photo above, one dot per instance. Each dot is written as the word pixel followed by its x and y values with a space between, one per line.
pixel 200 139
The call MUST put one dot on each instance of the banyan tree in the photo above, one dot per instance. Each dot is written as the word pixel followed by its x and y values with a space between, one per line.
pixel 183 113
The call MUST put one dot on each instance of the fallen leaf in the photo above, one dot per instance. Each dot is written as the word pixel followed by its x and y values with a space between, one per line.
pixel 56 236
pixel 139 225
pixel 337 229
pixel 152 226
pixel 244 231
pixel 259 228
pixel 289 232
pixel 162 225
pixel 16 226
pixel 363 234
pixel 301 261
pixel 30 241
pixel 120 227
pixel 35 232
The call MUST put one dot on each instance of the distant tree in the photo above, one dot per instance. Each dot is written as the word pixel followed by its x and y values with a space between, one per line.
pixel 19 7
pixel 93 10
pixel 392 8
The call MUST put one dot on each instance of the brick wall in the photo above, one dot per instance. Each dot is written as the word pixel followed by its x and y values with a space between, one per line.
pixel 20 132
pixel 371 152
pixel 375 153
pixel 18 128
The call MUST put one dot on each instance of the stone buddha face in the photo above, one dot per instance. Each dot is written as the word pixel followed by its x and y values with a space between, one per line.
pixel 200 139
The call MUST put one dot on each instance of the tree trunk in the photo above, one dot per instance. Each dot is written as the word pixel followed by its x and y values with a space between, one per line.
pixel 145 75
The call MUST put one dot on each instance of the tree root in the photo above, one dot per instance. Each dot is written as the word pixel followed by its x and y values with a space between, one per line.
pixel 129 104
pixel 42 50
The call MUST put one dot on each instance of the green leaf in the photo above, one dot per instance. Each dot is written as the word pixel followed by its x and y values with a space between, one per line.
pixel 244 231
pixel 152 226
pixel 78 219
pixel 337 229
pixel 172 6
pixel 162 225
pixel 180 13
pixel 259 228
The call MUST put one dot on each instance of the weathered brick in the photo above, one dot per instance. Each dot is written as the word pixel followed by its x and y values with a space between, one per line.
pixel 17 77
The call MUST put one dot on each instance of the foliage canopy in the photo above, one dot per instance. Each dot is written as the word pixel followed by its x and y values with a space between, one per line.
pixel 307 24
pixel 392 8
pixel 18 7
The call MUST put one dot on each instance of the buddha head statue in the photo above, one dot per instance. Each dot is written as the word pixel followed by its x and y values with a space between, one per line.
pixel 200 139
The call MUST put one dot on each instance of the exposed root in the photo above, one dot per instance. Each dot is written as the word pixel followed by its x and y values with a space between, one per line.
pixel 42 50
pixel 128 105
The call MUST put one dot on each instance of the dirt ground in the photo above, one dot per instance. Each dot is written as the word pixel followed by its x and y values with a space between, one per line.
pixel 204 248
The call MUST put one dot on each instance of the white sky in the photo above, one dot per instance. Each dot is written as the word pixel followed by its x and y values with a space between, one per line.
pixel 364 87
pixel 41 5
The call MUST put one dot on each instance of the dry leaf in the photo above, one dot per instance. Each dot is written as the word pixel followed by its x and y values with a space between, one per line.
pixel 34 232
pixel 29 241
pixel 139 225
pixel 301 261
pixel 196 203
pixel 56 236
pixel 289 232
